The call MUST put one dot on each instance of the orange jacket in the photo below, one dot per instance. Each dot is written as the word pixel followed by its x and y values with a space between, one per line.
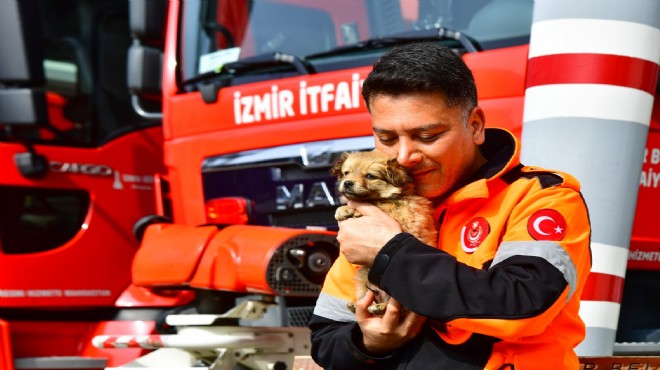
pixel 503 287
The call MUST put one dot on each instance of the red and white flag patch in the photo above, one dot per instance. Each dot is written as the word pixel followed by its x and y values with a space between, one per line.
pixel 474 233
pixel 547 224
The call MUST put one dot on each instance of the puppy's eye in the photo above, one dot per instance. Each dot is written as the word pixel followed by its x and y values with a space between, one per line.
pixel 370 177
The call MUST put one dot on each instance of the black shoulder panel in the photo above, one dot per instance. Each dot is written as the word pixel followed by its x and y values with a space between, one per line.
pixel 546 178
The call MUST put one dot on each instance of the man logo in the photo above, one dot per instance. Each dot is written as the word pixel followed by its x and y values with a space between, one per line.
pixel 296 196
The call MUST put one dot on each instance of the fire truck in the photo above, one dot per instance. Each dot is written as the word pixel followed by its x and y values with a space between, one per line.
pixel 78 170
pixel 257 98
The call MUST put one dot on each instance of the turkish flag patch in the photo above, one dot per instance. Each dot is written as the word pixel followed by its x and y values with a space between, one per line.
pixel 547 224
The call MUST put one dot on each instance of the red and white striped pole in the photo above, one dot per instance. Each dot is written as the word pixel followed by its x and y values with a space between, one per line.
pixel 593 68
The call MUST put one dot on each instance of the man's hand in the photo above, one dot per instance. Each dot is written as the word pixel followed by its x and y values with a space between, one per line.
pixel 381 335
pixel 361 238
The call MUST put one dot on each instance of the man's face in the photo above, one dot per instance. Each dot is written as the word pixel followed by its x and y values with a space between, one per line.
pixel 430 139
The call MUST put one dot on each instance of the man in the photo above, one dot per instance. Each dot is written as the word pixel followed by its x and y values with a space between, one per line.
pixel 502 289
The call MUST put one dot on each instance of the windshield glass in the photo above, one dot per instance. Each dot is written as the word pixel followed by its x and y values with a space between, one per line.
pixel 218 32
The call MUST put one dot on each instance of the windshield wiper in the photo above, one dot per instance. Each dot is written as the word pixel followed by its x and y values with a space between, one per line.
pixel 270 60
pixel 431 34
pixel 230 70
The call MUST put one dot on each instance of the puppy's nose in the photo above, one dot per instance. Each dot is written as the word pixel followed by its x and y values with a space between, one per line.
pixel 348 184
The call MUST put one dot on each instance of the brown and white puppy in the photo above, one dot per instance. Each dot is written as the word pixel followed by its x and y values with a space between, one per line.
pixel 374 177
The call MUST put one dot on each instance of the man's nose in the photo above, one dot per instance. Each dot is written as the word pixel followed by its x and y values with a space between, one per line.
pixel 407 156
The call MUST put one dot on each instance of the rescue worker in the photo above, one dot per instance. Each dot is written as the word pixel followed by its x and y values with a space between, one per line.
pixel 502 290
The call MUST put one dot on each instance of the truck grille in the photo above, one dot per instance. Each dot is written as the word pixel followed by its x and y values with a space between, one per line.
pixel 288 186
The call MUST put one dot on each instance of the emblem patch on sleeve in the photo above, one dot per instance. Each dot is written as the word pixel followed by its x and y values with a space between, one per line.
pixel 547 224
pixel 474 233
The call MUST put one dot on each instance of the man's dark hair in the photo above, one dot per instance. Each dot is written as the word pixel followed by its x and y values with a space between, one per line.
pixel 422 68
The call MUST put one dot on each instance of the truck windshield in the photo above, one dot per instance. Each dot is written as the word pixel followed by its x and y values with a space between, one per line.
pixel 219 32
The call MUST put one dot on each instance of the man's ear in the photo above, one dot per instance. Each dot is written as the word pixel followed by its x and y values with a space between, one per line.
pixel 477 125
pixel 336 168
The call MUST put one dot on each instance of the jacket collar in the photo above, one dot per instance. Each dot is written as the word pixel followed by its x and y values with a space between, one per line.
pixel 502 151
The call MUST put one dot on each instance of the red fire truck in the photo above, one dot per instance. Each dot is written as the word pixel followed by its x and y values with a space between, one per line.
pixel 258 98
pixel 78 170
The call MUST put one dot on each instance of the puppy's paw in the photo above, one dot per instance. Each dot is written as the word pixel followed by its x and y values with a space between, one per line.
pixel 377 309
pixel 345 212
pixel 351 306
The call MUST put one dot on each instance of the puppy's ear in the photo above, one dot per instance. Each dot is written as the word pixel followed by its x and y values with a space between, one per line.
pixel 336 168
pixel 397 175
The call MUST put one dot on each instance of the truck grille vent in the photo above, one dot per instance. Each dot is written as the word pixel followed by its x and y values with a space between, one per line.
pixel 299 316
pixel 289 186
pixel 286 277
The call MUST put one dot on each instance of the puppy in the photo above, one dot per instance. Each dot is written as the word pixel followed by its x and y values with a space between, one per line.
pixel 374 177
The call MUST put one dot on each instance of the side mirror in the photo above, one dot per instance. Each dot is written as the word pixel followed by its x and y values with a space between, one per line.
pixel 145 56
pixel 145 69
pixel 22 97
pixel 23 107
pixel 147 21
